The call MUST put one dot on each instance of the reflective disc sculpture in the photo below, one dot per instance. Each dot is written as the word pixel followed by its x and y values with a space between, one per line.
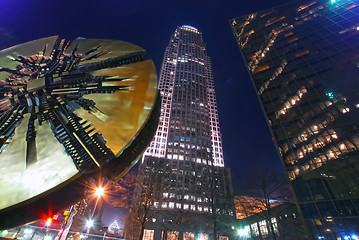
pixel 69 110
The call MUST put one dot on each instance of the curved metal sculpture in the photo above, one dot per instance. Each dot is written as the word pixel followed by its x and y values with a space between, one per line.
pixel 69 110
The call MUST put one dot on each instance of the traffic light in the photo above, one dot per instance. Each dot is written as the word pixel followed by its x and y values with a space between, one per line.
pixel 48 222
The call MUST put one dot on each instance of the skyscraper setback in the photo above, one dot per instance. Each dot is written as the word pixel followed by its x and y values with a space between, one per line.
pixel 187 150
pixel 304 62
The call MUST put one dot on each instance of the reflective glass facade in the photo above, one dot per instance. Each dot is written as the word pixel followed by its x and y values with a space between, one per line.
pixel 304 63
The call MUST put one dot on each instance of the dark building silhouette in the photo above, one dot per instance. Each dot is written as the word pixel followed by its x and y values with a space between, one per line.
pixel 303 60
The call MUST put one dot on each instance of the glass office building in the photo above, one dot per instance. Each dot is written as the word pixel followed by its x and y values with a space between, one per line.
pixel 304 64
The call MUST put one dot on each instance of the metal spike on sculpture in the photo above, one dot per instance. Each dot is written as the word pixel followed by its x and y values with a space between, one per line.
pixel 70 110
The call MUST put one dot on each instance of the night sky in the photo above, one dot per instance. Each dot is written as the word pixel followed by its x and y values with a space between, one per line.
pixel 246 139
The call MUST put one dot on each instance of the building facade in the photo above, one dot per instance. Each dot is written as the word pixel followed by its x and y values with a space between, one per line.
pixel 280 222
pixel 303 60
pixel 186 153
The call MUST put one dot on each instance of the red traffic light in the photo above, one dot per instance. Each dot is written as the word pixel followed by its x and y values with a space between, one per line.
pixel 48 222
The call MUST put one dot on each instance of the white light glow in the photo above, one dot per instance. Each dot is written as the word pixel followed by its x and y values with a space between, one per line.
pixel 243 232
pixel 99 192
pixel 89 223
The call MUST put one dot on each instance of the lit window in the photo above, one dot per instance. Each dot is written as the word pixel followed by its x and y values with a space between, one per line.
pixel 171 205
pixel 202 236
pixel 148 234
pixel 263 227
pixel 223 238
pixel 254 228
pixel 188 236
pixel 274 224
pixel 172 235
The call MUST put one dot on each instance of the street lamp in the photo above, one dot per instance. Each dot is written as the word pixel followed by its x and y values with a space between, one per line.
pixel 89 223
pixel 243 232
pixel 99 192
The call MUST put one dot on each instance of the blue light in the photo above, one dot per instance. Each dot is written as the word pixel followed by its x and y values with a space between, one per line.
pixel 330 95
pixel 332 1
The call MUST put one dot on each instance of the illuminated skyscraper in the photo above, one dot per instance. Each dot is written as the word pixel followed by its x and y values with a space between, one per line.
pixel 189 110
pixel 303 60
pixel 187 149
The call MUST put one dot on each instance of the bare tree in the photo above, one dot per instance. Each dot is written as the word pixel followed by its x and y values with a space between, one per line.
pixel 138 192
pixel 269 189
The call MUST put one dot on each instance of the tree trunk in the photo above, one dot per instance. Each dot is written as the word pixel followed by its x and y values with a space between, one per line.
pixel 214 230
pixel 142 231
pixel 274 237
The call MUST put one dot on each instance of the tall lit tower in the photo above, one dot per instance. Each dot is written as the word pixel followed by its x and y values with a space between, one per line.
pixel 189 111
pixel 187 148
pixel 304 63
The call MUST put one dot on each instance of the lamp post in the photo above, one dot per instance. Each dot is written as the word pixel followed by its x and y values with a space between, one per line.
pixel 99 192
pixel 89 224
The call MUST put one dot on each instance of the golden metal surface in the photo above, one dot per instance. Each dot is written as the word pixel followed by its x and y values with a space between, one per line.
pixel 19 182
pixel 121 114
pixel 25 49
pixel 75 118
pixel 105 49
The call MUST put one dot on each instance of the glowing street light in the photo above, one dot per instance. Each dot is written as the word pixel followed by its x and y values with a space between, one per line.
pixel 89 223
pixel 99 192
pixel 243 232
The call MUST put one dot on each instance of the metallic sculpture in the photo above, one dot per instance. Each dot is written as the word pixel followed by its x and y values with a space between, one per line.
pixel 69 110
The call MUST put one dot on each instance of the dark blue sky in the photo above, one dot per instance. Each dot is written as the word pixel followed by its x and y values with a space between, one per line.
pixel 149 24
